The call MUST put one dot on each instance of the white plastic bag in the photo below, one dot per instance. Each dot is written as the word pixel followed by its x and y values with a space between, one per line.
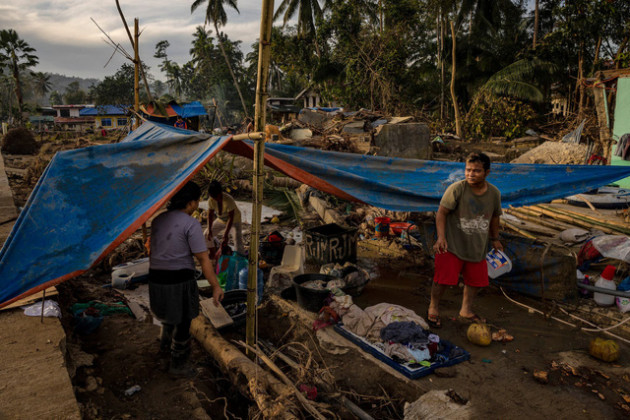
pixel 51 308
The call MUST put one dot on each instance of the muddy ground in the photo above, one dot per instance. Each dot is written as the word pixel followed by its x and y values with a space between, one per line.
pixel 497 382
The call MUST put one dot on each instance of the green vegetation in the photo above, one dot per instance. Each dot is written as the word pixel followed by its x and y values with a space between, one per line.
pixel 393 56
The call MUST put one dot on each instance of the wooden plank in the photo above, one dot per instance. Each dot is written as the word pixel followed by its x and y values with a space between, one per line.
pixel 217 315
pixel 51 291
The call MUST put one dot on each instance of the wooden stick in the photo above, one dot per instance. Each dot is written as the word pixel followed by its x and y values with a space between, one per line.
pixel 505 223
pixel 533 219
pixel 588 203
pixel 538 215
pixel 587 220
pixel 611 223
pixel 570 219
pixel 305 402
pixel 43 302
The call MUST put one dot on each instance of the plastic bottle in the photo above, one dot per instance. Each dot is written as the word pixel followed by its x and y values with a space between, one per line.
pixel 605 281
pixel 242 281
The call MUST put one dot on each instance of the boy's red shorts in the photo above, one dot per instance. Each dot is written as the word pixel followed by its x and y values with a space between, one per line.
pixel 448 267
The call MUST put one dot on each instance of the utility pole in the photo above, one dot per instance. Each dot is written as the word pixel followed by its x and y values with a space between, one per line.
pixel 264 55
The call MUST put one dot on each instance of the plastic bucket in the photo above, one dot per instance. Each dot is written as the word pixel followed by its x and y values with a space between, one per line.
pixel 498 263
pixel 381 227
pixel 311 299
pixel 233 299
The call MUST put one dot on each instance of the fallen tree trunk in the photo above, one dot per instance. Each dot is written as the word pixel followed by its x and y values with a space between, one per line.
pixel 272 396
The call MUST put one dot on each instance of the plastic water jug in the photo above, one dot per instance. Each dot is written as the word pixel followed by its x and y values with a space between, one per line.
pixel 605 281
pixel 242 281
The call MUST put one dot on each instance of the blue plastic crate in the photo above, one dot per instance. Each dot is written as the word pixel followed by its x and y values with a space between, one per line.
pixel 405 369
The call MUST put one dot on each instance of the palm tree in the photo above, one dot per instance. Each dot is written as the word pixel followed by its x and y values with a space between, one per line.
pixel 41 83
pixel 308 12
pixel 215 12
pixel 16 54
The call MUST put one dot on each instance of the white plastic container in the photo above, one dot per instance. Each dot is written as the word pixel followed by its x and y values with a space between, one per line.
pixel 122 274
pixel 605 281
pixel 498 263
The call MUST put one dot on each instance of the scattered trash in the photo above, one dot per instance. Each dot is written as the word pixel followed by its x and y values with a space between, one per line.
pixel 541 376
pixel 498 263
pixel 130 391
pixel 502 336
pixel 51 308
pixel 605 281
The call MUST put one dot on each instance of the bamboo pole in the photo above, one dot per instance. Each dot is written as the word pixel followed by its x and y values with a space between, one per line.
pixel 604 226
pixel 610 223
pixel 136 71
pixel 264 55
pixel 533 219
pixel 458 124
pixel 538 215
pixel 573 220
pixel 249 136
pixel 509 225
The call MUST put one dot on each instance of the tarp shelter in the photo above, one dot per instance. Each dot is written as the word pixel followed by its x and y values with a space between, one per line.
pixel 190 111
pixel 90 200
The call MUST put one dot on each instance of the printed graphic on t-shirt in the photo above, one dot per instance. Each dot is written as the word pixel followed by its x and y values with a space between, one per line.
pixel 473 226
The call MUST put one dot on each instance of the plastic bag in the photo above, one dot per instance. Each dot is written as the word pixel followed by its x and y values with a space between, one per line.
pixel 51 308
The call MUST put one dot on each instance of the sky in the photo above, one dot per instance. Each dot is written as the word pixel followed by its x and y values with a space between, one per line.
pixel 69 43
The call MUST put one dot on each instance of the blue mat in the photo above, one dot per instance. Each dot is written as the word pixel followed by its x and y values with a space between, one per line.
pixel 405 368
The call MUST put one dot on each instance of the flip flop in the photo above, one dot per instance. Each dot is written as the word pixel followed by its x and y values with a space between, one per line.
pixel 471 319
pixel 434 321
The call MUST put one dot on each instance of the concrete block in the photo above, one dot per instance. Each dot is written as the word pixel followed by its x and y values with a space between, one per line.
pixel 404 140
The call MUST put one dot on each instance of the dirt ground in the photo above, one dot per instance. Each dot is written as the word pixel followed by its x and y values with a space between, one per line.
pixel 497 382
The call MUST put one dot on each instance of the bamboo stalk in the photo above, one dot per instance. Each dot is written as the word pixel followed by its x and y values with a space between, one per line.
pixel 611 223
pixel 588 203
pixel 507 224
pixel 532 227
pixel 537 220
pixel 572 220
pixel 248 136
pixel 589 221
pixel 538 215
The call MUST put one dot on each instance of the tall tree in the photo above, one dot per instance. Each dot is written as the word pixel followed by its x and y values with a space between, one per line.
pixel 17 55
pixel 41 83
pixel 215 12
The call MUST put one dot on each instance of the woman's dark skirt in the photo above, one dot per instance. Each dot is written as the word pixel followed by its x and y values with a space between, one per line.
pixel 174 295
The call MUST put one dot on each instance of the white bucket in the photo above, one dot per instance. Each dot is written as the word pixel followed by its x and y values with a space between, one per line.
pixel 498 263
pixel 123 273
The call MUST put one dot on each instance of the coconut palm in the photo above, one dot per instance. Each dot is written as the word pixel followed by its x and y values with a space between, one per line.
pixel 308 12
pixel 16 55
pixel 215 12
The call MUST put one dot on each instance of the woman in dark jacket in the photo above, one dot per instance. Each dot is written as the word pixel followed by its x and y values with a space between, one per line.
pixel 175 238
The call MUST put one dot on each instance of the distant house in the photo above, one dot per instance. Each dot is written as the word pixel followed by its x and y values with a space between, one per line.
pixel 108 117
pixel 282 109
pixel 311 98
pixel 69 117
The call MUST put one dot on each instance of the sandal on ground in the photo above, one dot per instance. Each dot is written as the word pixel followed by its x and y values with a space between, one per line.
pixel 471 319
pixel 434 321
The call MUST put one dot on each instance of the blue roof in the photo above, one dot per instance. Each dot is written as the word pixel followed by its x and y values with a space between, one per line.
pixel 104 110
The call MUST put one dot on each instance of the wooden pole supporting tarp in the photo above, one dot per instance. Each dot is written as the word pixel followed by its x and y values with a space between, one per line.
pixel 264 54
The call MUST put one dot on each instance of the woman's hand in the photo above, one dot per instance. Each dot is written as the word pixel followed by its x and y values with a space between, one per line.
pixel 217 295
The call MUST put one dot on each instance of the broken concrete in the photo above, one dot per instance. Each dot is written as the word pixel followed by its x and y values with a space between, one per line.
pixel 404 140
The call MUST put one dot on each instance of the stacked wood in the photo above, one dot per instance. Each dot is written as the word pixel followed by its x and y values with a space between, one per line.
pixel 549 220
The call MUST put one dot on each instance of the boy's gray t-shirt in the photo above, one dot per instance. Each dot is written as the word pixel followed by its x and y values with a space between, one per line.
pixel 468 222
pixel 175 237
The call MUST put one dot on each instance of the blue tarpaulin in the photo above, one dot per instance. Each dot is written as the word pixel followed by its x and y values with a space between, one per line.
pixel 417 185
pixel 90 200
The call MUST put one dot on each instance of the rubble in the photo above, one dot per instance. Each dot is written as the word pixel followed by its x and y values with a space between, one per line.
pixel 555 153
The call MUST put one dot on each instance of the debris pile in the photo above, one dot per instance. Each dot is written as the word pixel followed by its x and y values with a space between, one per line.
pixel 19 141
pixel 555 153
